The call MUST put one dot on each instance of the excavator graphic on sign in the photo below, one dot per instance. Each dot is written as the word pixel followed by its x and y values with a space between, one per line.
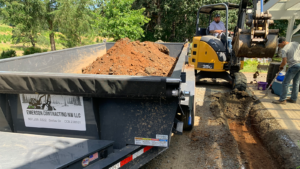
pixel 37 104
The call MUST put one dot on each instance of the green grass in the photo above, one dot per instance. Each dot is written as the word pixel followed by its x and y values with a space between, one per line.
pixel 43 41
pixel 276 59
pixel 5 38
pixel 251 66
pixel 5 29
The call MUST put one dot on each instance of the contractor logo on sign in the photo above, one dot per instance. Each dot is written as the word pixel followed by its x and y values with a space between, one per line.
pixel 53 111
pixel 37 103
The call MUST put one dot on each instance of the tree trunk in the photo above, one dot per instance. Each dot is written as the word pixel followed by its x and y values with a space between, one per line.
pixel 158 13
pixel 33 44
pixel 32 41
pixel 52 41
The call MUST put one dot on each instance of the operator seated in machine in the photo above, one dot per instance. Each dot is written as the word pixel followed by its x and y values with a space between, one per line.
pixel 217 29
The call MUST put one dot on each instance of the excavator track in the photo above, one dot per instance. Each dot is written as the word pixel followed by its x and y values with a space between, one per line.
pixel 239 81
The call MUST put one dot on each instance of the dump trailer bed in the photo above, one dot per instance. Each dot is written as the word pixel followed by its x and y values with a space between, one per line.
pixel 52 117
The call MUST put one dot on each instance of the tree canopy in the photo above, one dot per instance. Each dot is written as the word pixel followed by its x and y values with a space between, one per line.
pixel 117 19
pixel 175 20
pixel 74 19
pixel 24 16
pixel 167 20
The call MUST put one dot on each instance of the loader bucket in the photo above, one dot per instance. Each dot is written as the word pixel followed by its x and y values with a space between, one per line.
pixel 244 46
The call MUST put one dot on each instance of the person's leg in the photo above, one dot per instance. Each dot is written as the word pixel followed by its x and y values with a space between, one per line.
pixel 296 79
pixel 290 74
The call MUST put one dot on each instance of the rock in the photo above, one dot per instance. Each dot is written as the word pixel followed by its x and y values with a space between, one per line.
pixel 195 139
pixel 206 135
pixel 150 70
pixel 162 48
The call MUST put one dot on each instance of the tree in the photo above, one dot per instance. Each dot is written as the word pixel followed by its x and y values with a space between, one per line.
pixel 118 20
pixel 74 18
pixel 175 20
pixel 23 15
pixel 31 17
pixel 282 26
pixel 48 19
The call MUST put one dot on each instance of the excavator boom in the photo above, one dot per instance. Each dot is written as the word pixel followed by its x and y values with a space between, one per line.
pixel 259 41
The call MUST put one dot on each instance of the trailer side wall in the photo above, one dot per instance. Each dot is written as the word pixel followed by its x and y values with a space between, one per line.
pixel 61 61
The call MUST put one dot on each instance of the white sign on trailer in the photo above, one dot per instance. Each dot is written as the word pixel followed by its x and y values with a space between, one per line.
pixel 53 111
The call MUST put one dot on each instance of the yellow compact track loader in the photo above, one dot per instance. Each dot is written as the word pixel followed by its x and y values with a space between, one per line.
pixel 212 57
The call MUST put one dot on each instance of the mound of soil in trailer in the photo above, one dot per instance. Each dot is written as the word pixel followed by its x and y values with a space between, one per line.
pixel 135 59
pixel 232 109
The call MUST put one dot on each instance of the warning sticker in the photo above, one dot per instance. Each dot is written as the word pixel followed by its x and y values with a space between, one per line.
pixel 151 142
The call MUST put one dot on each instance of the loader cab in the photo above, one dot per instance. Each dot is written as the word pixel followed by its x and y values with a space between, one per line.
pixel 209 53
pixel 207 11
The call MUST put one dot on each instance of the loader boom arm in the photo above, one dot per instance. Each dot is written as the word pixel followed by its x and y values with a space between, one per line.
pixel 259 41
pixel 242 14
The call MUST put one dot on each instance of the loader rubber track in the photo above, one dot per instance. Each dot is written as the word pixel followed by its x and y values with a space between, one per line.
pixel 239 81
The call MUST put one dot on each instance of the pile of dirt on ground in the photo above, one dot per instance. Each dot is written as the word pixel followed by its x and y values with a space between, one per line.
pixel 135 59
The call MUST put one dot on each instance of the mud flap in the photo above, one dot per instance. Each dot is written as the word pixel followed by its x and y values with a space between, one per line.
pixel 177 127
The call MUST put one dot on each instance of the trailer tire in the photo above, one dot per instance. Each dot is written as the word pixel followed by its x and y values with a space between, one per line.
pixel 239 81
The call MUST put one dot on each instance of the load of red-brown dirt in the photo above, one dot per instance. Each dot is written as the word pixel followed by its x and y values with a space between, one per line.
pixel 135 59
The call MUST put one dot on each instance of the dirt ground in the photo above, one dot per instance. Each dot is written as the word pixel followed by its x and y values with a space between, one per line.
pixel 215 142
pixel 251 147
pixel 133 58
pixel 208 145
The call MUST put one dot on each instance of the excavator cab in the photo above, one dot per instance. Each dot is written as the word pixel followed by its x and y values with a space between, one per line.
pixel 213 58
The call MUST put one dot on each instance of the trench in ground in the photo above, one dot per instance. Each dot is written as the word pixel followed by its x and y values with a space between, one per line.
pixel 252 151
pixel 234 109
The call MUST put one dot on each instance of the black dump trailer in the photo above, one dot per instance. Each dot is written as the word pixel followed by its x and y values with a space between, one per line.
pixel 51 117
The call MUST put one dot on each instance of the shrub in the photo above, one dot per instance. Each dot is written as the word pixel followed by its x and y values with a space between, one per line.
pixel 251 63
pixel 44 50
pixel 32 50
pixel 42 40
pixel 8 54
pixel 276 59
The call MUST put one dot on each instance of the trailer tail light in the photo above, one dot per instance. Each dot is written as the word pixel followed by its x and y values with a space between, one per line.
pixel 130 157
